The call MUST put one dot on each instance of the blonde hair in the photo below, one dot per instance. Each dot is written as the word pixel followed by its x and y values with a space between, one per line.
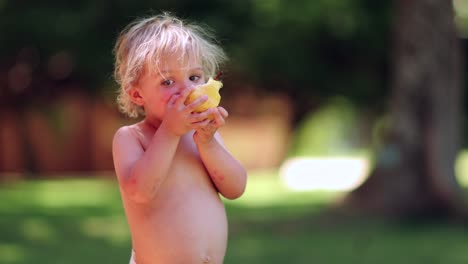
pixel 145 42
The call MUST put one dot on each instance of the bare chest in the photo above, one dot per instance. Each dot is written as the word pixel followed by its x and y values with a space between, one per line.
pixel 187 166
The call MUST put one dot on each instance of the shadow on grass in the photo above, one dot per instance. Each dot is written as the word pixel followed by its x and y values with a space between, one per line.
pixel 57 222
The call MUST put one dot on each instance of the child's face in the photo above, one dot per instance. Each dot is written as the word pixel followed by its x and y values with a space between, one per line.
pixel 156 88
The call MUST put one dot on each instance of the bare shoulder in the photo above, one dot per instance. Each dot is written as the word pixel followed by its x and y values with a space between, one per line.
pixel 126 149
pixel 126 133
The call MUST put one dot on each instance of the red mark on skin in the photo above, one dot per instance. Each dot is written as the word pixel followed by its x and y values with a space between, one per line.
pixel 218 176
pixel 132 181
pixel 130 185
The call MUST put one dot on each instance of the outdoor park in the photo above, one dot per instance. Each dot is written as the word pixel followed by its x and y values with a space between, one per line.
pixel 349 117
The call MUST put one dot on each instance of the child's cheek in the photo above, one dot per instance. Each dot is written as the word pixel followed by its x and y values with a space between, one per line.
pixel 166 97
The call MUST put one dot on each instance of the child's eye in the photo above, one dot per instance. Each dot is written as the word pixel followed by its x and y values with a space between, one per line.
pixel 194 78
pixel 167 82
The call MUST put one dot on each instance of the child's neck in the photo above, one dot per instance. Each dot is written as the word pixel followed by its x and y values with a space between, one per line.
pixel 153 123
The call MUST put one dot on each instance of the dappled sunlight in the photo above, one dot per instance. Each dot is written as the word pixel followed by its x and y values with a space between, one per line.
pixel 62 221
pixel 71 193
pixel 38 229
pixel 11 253
pixel 461 168
pixel 461 17
pixel 332 174
pixel 341 173
pixel 265 189
pixel 113 229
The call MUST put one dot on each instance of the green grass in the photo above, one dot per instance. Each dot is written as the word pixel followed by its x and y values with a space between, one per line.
pixel 82 221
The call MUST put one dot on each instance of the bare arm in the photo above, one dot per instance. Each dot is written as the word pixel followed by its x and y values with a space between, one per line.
pixel 227 173
pixel 140 172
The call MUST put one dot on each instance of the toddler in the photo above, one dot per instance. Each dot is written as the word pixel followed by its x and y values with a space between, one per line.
pixel 172 165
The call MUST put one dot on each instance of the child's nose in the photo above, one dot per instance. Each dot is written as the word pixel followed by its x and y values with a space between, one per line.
pixel 181 88
pixel 187 85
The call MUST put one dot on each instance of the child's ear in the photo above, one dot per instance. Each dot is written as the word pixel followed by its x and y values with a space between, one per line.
pixel 135 96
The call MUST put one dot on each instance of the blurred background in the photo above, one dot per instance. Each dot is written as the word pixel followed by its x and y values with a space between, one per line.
pixel 348 116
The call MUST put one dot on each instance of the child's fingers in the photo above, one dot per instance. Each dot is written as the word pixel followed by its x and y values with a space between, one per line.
pixel 183 96
pixel 200 124
pixel 197 102
pixel 197 117
pixel 224 113
pixel 218 117
pixel 172 99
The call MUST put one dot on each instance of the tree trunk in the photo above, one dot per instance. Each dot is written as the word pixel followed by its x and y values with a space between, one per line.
pixel 414 170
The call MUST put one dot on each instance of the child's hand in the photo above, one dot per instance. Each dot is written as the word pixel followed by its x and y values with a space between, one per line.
pixel 204 134
pixel 180 118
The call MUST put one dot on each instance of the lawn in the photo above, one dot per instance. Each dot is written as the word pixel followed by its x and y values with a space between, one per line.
pixel 80 220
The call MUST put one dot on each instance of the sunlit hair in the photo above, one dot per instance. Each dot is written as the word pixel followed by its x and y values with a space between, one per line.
pixel 143 44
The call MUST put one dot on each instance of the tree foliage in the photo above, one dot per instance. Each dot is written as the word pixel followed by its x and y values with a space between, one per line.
pixel 308 49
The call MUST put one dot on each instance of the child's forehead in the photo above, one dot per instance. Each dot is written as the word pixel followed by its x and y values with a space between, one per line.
pixel 173 63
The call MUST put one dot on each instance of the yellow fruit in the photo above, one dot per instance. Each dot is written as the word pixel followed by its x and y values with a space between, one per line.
pixel 211 88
